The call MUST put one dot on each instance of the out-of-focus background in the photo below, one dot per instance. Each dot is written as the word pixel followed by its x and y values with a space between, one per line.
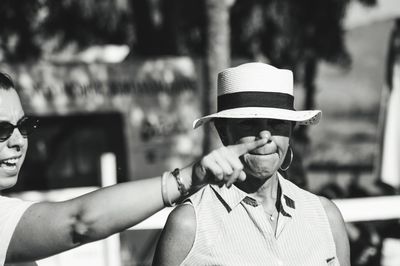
pixel 116 85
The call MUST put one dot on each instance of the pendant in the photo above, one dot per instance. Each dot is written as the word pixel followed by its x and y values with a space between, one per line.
pixel 272 218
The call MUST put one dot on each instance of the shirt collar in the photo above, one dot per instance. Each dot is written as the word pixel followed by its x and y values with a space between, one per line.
pixel 287 197
pixel 232 197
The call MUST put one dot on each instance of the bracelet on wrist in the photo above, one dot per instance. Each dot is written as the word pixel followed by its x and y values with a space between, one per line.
pixel 181 187
pixel 164 190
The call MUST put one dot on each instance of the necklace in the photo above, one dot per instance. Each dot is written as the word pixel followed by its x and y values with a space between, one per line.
pixel 271 215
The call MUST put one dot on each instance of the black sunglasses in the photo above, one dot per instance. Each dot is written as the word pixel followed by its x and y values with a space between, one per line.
pixel 25 125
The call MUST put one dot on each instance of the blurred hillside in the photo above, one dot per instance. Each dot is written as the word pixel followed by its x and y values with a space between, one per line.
pixel 350 99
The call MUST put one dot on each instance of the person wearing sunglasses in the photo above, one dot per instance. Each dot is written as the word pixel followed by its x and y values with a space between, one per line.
pixel 266 219
pixel 31 231
pixel 26 125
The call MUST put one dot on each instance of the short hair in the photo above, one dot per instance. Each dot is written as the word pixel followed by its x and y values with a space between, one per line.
pixel 6 83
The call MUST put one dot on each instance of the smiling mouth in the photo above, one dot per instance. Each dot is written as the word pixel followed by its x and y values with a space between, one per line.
pixel 9 164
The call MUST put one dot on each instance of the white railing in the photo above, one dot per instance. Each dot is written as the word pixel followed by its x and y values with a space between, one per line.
pixel 353 210
pixel 107 252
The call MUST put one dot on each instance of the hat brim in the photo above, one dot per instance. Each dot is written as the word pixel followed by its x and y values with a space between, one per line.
pixel 307 117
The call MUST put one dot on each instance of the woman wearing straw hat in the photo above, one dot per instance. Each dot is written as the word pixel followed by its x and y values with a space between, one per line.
pixel 265 219
pixel 30 231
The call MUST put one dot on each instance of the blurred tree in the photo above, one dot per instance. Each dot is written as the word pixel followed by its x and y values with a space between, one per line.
pixel 151 28
pixel 288 33
pixel 18 28
pixel 292 34
pixel 217 58
pixel 173 27
pixel 28 28
pixel 86 22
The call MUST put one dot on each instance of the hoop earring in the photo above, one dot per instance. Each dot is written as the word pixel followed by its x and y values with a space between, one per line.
pixel 291 159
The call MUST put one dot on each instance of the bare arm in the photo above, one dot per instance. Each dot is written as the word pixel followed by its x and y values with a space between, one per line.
pixel 177 238
pixel 338 229
pixel 49 228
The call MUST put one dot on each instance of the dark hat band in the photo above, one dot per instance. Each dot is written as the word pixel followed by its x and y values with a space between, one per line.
pixel 255 99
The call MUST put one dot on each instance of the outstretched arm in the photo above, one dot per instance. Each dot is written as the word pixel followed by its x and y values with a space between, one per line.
pixel 46 229
pixel 338 229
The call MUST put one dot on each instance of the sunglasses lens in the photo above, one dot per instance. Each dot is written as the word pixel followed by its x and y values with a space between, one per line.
pixel 27 126
pixel 6 130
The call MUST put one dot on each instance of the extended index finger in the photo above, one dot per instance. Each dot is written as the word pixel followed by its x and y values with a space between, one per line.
pixel 242 148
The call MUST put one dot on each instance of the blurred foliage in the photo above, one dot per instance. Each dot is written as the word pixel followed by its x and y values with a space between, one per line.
pixel 173 27
pixel 86 22
pixel 19 27
pixel 284 31
pixel 287 32
pixel 151 28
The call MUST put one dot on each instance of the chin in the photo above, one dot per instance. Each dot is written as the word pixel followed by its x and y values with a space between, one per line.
pixel 261 166
pixel 7 182
pixel 259 173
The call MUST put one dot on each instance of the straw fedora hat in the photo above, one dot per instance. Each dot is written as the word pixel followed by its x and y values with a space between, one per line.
pixel 258 90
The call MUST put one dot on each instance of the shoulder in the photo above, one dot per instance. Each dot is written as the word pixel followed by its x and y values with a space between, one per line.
pixel 330 208
pixel 12 210
pixel 335 219
pixel 177 237
pixel 181 224
pixel 183 217
pixel 338 229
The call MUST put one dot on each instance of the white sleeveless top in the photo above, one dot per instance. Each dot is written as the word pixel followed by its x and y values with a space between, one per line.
pixel 232 229
pixel 11 211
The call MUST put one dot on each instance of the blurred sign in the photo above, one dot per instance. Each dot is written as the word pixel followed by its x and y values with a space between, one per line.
pixel 66 151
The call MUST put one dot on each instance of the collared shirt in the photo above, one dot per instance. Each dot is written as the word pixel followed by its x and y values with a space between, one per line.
pixel 233 229
pixel 11 211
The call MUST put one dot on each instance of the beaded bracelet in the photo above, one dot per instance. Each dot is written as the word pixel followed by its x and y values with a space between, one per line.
pixel 181 187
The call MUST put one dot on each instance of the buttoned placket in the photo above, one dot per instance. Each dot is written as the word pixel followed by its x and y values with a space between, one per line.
pixel 257 214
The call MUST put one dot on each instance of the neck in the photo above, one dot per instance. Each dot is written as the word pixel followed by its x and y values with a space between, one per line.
pixel 264 191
